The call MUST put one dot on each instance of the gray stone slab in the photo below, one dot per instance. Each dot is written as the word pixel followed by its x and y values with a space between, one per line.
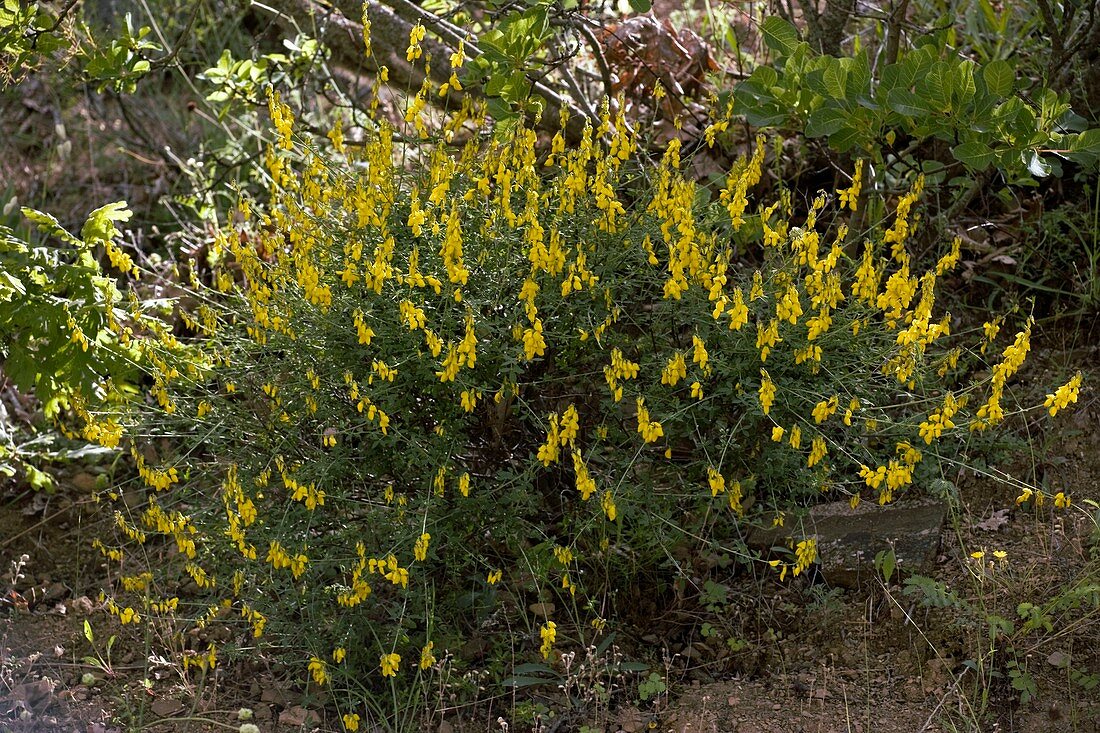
pixel 849 539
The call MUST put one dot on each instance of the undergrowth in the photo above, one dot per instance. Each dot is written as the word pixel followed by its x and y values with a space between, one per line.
pixel 428 394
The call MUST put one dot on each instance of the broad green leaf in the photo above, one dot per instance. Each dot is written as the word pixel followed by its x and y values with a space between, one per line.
pixel 779 35
pixel 907 104
pixel 962 83
pixel 974 154
pixel 999 77
pixel 523 681
pixel 825 121
pixel 1035 164
pixel 640 6
pixel 836 79
pixel 859 75
pixel 765 76
pixel 846 138
pixel 933 87
pixel 1086 142
pixel 767 115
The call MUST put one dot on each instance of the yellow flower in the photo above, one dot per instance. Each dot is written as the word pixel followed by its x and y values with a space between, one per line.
pixel 416 35
pixel 1061 500
pixel 777 433
pixel 716 480
pixel 338 654
pixel 351 721
pixel 420 548
pixel 389 664
pixel 767 391
pixel 427 658
pixel 318 669
pixel 549 633
pixel 494 577
pixel 650 430
pixel 1063 396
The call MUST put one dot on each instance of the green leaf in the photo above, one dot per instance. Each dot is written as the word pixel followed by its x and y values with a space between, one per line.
pixel 48 224
pixel 1036 165
pixel 974 155
pixel 88 632
pixel 999 77
pixel 640 6
pixel 765 76
pixel 907 104
pixel 779 35
pixel 859 75
pixel 522 681
pixel 836 79
pixel 100 226
pixel 824 121
pixel 846 138
pixel 933 87
pixel 1086 142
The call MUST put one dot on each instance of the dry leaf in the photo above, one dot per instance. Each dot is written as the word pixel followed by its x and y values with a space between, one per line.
pixel 995 521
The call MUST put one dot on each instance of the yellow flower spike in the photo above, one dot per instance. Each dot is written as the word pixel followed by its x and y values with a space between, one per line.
pixel 420 548
pixel 351 720
pixel 338 654
pixel 549 634
pixel 427 658
pixel 650 430
pixel 1063 396
pixel 416 35
pixel 795 439
pixel 777 434
pixel 1061 500
pixel 493 577
pixel 389 664
pixel 607 503
pixel 766 392
pixel 318 670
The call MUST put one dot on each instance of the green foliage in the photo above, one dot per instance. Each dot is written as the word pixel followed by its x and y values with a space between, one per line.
pixel 509 51
pixel 236 82
pixel 121 62
pixel 28 32
pixel 928 94
pixel 416 399
pixel 55 308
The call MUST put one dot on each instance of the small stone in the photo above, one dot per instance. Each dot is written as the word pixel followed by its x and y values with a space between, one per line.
pixel 1058 659
pixel 164 707
pixel 298 716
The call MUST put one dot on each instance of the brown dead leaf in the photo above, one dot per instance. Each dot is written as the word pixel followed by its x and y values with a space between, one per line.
pixel 994 522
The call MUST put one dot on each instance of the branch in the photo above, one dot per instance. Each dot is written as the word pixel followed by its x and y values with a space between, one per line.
pixel 391 22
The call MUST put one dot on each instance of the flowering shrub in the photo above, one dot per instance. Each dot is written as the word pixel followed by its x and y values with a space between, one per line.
pixel 428 388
